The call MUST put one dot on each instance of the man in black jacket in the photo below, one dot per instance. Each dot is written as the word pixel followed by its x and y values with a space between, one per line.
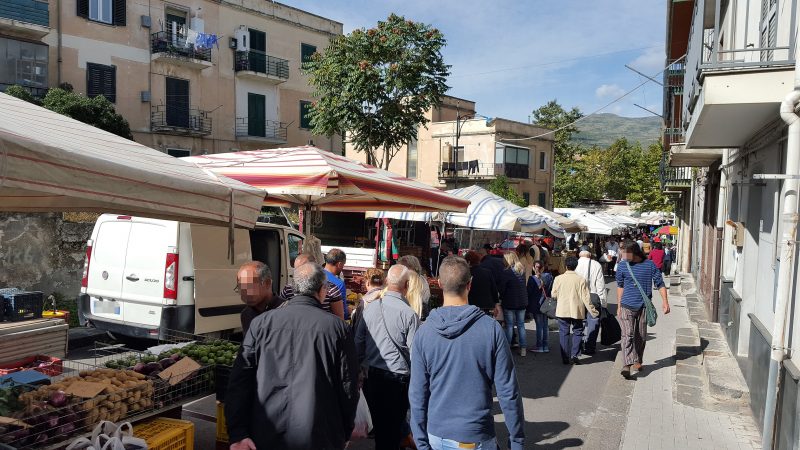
pixel 483 293
pixel 295 384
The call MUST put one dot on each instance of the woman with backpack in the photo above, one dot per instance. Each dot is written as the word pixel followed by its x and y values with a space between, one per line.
pixel 636 277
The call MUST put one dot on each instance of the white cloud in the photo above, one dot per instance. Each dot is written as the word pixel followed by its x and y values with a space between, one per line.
pixel 650 62
pixel 609 91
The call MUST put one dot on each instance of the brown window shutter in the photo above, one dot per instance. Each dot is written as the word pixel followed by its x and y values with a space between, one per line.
pixel 119 12
pixel 83 8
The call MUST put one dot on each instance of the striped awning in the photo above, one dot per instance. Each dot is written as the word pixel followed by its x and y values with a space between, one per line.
pixel 569 225
pixel 50 163
pixel 316 178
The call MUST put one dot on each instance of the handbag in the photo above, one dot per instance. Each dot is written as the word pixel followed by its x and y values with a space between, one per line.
pixel 650 310
pixel 548 308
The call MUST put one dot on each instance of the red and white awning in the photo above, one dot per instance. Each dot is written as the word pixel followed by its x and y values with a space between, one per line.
pixel 50 162
pixel 320 179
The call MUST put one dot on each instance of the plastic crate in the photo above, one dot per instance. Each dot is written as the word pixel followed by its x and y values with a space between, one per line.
pixel 222 429
pixel 166 434
pixel 47 365
pixel 21 305
pixel 221 376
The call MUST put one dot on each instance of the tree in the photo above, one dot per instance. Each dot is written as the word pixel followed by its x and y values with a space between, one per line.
pixel 554 116
pixel 646 191
pixel 21 93
pixel 376 85
pixel 500 187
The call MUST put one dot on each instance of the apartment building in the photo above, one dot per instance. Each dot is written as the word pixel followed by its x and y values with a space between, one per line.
pixel 460 147
pixel 732 64
pixel 191 76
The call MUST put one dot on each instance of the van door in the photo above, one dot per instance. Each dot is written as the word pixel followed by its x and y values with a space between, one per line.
pixel 266 244
pixel 217 305
pixel 107 267
pixel 143 282
pixel 294 244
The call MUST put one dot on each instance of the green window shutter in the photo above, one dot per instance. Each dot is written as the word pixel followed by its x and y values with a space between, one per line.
pixel 305 119
pixel 306 51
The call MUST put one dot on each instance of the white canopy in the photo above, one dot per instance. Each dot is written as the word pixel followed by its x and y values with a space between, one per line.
pixel 486 211
pixel 593 224
pixel 569 225
pixel 50 162
pixel 614 219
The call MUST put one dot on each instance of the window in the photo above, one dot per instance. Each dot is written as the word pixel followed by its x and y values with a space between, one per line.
pixel 305 119
pixel 768 28
pixel 106 11
pixel 542 161
pixel 257 55
pixel 527 197
pixel 178 102
pixel 411 162
pixel 542 199
pixel 101 80
pixel 295 245
pixel 24 63
pixel 306 51
pixel 256 115
pixel 179 152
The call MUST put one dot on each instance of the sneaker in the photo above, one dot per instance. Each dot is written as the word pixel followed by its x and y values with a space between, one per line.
pixel 536 350
pixel 575 361
pixel 546 349
pixel 522 352
pixel 626 372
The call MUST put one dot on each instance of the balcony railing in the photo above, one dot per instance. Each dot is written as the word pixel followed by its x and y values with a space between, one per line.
pixel 744 47
pixel 176 119
pixel 36 91
pixel 674 177
pixel 175 45
pixel 477 170
pixel 28 11
pixel 259 62
pixel 266 129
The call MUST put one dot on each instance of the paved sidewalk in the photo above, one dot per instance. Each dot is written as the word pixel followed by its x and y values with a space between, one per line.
pixel 656 419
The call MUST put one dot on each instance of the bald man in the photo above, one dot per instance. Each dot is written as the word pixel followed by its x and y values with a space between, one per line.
pixel 383 343
pixel 254 285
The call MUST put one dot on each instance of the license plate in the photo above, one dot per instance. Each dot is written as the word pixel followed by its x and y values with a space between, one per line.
pixel 106 307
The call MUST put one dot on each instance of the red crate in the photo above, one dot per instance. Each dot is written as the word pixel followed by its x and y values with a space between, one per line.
pixel 47 365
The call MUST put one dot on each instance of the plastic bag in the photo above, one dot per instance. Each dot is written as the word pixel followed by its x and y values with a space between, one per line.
pixel 110 436
pixel 363 419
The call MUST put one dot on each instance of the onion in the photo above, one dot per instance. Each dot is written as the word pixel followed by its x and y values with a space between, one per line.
pixel 58 399
pixel 52 421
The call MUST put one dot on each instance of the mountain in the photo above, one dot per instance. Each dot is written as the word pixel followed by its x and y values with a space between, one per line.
pixel 603 129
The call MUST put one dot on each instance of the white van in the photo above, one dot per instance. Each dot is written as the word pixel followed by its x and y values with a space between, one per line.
pixel 142 276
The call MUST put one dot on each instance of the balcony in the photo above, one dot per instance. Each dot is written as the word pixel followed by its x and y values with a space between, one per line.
pixel 172 48
pixel 683 156
pixel 175 119
pixel 257 65
pixel 24 18
pixel 675 178
pixel 476 170
pixel 734 84
pixel 38 92
pixel 264 130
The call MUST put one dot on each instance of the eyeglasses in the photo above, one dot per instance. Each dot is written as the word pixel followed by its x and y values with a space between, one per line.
pixel 237 289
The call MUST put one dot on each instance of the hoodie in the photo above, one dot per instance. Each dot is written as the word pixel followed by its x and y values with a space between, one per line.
pixel 459 353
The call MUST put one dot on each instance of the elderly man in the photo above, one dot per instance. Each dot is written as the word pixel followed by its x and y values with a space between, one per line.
pixel 295 383
pixel 459 354
pixel 302 258
pixel 572 302
pixel 334 264
pixel 592 272
pixel 383 343
pixel 254 285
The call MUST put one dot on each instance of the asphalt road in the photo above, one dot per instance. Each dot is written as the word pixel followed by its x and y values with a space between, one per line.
pixel 560 400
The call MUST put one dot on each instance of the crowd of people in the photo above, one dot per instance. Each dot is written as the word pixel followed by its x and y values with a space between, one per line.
pixel 427 375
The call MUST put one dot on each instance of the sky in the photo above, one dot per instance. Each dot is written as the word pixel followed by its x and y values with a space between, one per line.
pixel 512 56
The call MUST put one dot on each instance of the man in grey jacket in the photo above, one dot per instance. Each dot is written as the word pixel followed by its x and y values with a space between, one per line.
pixel 294 385
pixel 383 344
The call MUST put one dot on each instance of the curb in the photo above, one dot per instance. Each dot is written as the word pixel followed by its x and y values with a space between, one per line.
pixel 611 416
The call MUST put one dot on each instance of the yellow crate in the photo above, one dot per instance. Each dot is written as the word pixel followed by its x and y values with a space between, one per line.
pixel 222 431
pixel 166 434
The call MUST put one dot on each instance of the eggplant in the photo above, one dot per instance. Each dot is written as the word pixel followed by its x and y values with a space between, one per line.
pixel 166 362
pixel 140 368
pixel 150 368
pixel 176 357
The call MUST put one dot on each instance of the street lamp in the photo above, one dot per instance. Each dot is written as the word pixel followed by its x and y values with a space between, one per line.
pixel 460 121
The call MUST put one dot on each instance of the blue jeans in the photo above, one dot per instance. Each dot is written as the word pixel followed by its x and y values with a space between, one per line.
pixel 438 443
pixel 592 330
pixel 515 317
pixel 570 341
pixel 542 330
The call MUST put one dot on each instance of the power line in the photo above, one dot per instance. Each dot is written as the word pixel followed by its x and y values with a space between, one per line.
pixel 599 109
pixel 550 63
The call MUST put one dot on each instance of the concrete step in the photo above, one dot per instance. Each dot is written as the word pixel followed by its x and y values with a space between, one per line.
pixel 725 380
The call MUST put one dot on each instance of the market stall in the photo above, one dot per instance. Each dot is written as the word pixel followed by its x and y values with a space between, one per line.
pixel 593 224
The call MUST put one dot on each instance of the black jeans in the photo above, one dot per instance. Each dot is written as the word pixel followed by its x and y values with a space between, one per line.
pixel 387 398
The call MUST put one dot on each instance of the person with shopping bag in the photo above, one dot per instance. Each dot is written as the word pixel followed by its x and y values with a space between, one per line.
pixel 635 281
pixel 592 272
pixel 573 304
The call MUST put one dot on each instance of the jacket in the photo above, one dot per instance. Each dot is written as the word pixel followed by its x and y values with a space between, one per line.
pixel 513 294
pixel 536 295
pixel 459 353
pixel 595 280
pixel 294 384
pixel 572 297
pixel 495 265
pixel 374 346
pixel 483 293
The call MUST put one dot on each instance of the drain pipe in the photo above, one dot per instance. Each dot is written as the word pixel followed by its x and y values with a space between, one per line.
pixel 786 273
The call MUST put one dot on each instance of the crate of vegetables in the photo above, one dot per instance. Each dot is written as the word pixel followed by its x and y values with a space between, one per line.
pixel 47 365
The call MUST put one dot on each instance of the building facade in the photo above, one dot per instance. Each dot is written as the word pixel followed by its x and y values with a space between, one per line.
pixel 731 65
pixel 486 149
pixel 190 76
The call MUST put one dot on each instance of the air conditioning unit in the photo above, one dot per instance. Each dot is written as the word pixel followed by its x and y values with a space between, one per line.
pixel 242 39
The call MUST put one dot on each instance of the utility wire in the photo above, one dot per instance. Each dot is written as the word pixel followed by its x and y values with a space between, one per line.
pixel 599 109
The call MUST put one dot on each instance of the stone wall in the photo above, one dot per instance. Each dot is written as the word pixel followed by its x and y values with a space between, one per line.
pixel 43 252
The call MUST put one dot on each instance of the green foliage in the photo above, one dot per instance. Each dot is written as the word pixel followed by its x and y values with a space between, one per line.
pixel 553 116
pixel 376 85
pixel 21 93
pixel 603 129
pixel 96 111
pixel 500 187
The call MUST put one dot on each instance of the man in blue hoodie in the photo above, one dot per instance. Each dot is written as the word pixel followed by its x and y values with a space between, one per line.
pixel 459 353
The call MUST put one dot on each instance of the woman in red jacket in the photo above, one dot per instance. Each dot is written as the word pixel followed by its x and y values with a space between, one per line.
pixel 657 255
